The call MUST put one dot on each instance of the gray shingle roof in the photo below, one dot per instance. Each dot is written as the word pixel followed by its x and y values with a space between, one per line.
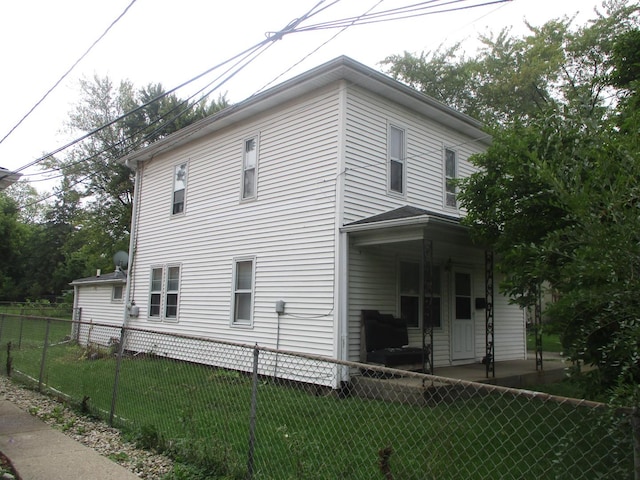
pixel 401 213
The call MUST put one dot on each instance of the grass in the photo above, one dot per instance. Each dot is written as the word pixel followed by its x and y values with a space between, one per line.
pixel 201 416
pixel 550 342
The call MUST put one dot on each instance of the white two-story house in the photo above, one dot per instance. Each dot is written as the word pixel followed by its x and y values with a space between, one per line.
pixel 278 220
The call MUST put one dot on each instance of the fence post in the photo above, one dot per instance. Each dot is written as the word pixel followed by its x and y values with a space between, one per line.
pixel 1 324
pixel 635 431
pixel 252 418
pixel 21 330
pixel 116 380
pixel 77 318
pixel 44 355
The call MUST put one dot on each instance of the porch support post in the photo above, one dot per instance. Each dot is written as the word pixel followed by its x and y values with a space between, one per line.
pixel 489 318
pixel 427 320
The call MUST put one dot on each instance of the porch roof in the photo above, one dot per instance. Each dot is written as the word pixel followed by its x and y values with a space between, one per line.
pixel 406 215
pixel 406 224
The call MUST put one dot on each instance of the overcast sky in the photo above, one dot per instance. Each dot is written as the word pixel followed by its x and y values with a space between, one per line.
pixel 171 41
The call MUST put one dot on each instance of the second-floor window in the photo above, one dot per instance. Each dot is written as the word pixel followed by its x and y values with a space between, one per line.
pixel 179 188
pixel 396 166
pixel 249 168
pixel 450 175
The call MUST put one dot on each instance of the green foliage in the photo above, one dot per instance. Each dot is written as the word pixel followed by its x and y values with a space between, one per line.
pixel 557 65
pixel 556 197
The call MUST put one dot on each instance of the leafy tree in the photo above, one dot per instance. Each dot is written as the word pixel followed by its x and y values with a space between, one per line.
pixel 514 79
pixel 556 195
pixel 117 119
pixel 557 198
pixel 14 236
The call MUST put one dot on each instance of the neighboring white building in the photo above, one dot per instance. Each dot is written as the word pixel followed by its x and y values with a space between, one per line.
pixel 332 193
pixel 8 178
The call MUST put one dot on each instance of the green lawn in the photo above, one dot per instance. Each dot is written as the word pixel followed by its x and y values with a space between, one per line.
pixel 550 342
pixel 201 415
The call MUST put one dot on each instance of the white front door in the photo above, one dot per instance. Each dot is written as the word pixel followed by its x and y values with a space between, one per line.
pixel 462 340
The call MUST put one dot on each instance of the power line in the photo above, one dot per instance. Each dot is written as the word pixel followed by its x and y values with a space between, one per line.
pixel 401 13
pixel 247 55
pixel 292 27
pixel 289 28
pixel 68 71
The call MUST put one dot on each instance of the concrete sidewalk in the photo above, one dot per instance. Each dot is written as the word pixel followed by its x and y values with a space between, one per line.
pixel 39 452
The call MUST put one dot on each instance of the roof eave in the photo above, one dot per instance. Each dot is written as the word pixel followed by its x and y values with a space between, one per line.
pixel 341 68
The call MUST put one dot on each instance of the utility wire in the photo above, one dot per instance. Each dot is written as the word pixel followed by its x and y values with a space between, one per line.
pixel 289 28
pixel 315 49
pixel 249 55
pixel 292 27
pixel 68 71
pixel 411 11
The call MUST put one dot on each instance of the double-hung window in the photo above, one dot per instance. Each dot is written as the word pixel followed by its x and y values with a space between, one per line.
pixel 243 282
pixel 155 292
pixel 416 302
pixel 450 175
pixel 410 293
pixel 173 287
pixel 432 296
pixel 179 188
pixel 396 167
pixel 249 168
pixel 164 292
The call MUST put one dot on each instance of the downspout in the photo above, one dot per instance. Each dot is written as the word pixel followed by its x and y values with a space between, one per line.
pixel 75 327
pixel 341 244
pixel 132 243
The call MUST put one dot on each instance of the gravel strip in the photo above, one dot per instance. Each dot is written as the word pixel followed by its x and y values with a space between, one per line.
pixel 94 434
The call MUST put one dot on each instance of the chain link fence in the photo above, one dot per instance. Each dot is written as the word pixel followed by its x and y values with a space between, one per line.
pixel 245 411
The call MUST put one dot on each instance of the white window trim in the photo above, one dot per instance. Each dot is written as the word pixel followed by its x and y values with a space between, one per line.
pixel 256 138
pixel 232 322
pixel 113 291
pixel 445 193
pixel 155 318
pixel 166 318
pixel 402 160
pixel 163 292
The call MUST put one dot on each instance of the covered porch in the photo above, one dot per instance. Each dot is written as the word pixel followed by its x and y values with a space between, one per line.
pixel 421 268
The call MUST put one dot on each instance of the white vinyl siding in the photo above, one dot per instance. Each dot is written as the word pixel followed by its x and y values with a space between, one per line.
pixel 366 176
pixel 98 308
pixel 290 227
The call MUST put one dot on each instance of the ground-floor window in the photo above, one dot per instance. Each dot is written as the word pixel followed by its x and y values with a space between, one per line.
pixel 243 291
pixel 415 300
pixel 164 291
